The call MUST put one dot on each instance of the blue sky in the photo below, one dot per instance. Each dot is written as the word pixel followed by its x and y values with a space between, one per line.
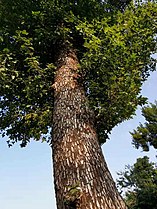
pixel 26 174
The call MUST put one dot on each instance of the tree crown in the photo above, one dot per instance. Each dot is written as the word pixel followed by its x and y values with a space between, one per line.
pixel 146 135
pixel 140 180
pixel 114 43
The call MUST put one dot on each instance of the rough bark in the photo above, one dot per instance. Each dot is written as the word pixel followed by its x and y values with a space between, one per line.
pixel 82 179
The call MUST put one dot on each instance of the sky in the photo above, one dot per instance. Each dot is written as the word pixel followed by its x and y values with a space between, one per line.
pixel 26 179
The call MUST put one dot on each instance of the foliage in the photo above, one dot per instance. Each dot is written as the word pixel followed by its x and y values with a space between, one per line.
pixel 140 181
pixel 72 196
pixel 146 135
pixel 114 43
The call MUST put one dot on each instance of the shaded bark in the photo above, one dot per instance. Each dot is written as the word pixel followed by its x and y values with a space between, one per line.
pixel 82 179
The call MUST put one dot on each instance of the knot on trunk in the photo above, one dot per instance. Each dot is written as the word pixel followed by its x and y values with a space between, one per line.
pixel 72 197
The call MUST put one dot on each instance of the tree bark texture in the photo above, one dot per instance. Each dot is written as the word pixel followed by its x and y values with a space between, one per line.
pixel 82 179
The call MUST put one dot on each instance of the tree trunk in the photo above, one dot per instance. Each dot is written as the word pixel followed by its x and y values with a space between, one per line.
pixel 82 179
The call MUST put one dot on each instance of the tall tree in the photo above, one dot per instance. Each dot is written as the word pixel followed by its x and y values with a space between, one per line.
pixel 146 135
pixel 139 183
pixel 70 72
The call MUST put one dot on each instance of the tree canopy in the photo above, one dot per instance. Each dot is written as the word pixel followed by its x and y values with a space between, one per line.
pixel 114 42
pixel 139 183
pixel 146 135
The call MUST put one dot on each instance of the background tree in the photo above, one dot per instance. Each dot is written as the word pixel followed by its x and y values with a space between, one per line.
pixel 70 72
pixel 139 184
pixel 146 135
